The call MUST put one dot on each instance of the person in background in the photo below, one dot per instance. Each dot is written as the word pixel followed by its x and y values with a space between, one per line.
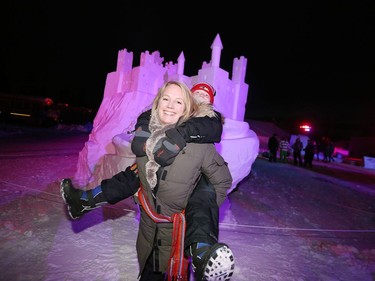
pixel 273 147
pixel 320 147
pixel 297 147
pixel 310 150
pixel 203 199
pixel 327 150
pixel 284 150
pixel 331 150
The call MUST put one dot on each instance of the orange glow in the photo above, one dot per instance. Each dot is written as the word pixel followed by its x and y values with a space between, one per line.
pixel 20 114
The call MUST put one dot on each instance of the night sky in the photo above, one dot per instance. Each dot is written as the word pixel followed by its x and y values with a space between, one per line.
pixel 307 60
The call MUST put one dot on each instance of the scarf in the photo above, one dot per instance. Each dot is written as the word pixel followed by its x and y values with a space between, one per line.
pixel 157 132
pixel 178 264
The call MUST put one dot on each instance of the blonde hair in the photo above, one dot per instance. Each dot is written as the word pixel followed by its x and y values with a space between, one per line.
pixel 190 105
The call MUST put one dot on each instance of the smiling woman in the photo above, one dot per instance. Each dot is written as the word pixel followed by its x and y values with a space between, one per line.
pixel 171 105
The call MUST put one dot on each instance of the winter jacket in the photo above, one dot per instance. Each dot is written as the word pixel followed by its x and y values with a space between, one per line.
pixel 174 187
pixel 168 190
pixel 273 143
pixel 203 129
pixel 297 146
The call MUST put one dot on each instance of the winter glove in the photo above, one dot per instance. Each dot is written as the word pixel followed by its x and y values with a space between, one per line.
pixel 167 148
pixel 143 120
pixel 138 145
pixel 141 134
pixel 133 168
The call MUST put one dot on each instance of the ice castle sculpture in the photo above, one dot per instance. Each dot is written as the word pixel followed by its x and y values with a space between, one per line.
pixel 129 90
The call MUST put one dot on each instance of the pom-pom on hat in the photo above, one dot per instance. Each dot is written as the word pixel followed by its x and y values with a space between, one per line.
pixel 205 87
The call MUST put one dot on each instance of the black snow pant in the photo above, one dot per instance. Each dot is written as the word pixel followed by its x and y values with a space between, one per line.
pixel 202 215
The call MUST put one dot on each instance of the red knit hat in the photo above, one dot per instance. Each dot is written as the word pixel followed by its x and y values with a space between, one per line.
pixel 205 87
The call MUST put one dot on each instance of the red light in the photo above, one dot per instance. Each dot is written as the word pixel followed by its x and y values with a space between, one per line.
pixel 306 128
pixel 48 101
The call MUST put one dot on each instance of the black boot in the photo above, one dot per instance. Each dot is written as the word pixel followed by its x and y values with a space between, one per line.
pixel 212 263
pixel 80 201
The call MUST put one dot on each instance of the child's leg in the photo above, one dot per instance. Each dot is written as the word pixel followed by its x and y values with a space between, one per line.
pixel 202 215
pixel 211 260
pixel 112 190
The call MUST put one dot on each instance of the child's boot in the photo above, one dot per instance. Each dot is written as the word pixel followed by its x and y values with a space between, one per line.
pixel 212 263
pixel 80 201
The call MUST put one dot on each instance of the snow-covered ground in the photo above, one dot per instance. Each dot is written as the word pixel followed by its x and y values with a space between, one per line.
pixel 282 222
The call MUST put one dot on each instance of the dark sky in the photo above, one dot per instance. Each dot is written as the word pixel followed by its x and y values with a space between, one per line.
pixel 307 60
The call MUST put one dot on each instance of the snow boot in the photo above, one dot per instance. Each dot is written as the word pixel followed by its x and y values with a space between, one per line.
pixel 79 201
pixel 212 263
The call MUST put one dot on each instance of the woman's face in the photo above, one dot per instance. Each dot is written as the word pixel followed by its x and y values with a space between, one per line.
pixel 171 105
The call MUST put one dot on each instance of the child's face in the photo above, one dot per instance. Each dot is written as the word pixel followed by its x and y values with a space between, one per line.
pixel 201 96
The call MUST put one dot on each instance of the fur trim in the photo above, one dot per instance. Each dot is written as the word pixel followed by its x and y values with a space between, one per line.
pixel 205 109
pixel 157 132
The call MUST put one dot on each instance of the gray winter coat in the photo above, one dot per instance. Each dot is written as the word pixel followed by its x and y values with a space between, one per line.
pixel 175 184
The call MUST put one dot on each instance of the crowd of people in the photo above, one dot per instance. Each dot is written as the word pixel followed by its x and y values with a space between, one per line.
pixel 301 156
